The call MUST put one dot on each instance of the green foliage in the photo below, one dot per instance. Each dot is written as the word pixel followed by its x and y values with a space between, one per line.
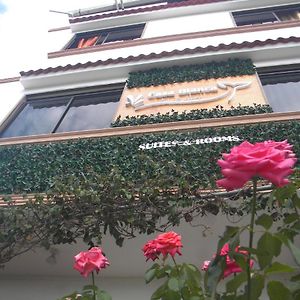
pixel 278 291
pixel 268 247
pixel 87 208
pixel 36 167
pixel 231 67
pixel 182 282
pixel 88 294
pixel 196 114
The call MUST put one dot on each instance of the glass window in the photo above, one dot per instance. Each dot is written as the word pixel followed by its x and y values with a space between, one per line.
pixel 90 112
pixel 282 87
pixel 255 18
pixel 79 110
pixel 289 14
pixel 267 15
pixel 37 117
pixel 88 39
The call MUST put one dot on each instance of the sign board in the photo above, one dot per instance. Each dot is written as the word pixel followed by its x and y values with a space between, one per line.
pixel 186 96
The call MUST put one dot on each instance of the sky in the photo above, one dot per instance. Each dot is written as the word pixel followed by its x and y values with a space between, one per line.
pixel 24 37
pixel 24 29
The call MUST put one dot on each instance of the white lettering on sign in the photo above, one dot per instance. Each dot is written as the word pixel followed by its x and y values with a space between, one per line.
pixel 201 90
pixel 137 102
pixel 203 141
pixel 155 95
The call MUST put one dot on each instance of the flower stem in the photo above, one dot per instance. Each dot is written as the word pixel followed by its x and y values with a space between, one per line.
pixel 251 234
pixel 175 264
pixel 94 292
pixel 177 268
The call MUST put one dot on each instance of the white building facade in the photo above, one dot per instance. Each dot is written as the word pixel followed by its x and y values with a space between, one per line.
pixel 83 88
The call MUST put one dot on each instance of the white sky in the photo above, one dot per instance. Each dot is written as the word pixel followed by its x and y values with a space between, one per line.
pixel 23 31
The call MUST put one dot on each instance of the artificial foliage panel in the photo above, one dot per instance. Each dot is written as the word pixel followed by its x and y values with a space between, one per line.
pixel 35 167
pixel 162 76
pixel 196 114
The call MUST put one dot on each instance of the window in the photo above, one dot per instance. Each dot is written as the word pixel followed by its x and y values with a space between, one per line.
pixel 105 36
pixel 66 111
pixel 267 15
pixel 282 87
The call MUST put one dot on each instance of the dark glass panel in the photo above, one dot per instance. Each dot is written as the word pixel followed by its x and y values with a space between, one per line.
pixel 289 15
pixel 37 117
pixel 282 87
pixel 93 111
pixel 283 96
pixel 124 34
pixel 255 18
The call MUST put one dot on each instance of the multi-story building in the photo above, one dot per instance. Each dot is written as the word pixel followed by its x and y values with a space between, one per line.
pixel 137 59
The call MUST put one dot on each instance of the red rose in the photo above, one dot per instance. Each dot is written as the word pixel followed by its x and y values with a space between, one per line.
pixel 165 243
pixel 169 243
pixel 89 261
pixel 150 250
pixel 231 266
pixel 271 160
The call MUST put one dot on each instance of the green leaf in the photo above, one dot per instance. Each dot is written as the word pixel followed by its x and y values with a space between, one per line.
pixel 295 277
pixel 103 295
pixel 230 232
pixel 150 275
pixel 264 220
pixel 173 284
pixel 171 295
pixel 163 272
pixel 236 282
pixel 71 296
pixel 290 218
pixel 159 292
pixel 295 251
pixel 268 246
pixel 277 267
pixel 277 291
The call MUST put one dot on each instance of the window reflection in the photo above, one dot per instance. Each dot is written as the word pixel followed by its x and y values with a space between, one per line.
pixel 282 87
pixel 36 118
pixel 91 112
pixel 73 111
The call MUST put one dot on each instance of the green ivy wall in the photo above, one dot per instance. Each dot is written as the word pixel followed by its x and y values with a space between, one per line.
pixel 34 167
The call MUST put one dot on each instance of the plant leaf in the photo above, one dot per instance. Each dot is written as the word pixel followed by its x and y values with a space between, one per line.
pixel 264 220
pixel 277 291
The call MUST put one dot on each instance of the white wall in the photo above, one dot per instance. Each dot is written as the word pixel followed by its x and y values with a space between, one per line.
pixel 30 277
pixel 187 24
pixel 54 287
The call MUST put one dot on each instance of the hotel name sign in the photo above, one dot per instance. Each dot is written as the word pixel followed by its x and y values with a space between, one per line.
pixel 186 96
pixel 196 95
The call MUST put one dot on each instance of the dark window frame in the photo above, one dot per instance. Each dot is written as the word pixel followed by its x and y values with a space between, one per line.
pixel 65 96
pixel 136 31
pixel 238 16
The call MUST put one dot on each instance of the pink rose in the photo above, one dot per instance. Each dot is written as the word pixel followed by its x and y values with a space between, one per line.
pixel 205 265
pixel 165 243
pixel 271 160
pixel 89 261
pixel 231 266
